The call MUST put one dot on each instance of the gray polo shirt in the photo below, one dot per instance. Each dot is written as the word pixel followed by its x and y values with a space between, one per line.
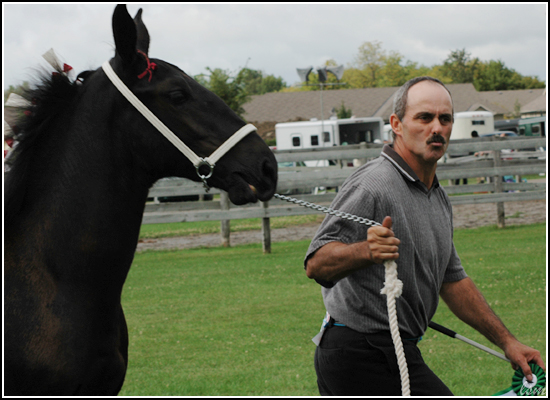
pixel 422 221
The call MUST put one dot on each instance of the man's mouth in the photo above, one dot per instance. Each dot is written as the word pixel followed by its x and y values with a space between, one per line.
pixel 437 140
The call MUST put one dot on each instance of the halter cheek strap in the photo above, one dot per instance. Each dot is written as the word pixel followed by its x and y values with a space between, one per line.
pixel 197 161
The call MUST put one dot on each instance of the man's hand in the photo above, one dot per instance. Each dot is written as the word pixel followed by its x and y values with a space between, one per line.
pixel 382 242
pixel 336 260
pixel 467 303
pixel 521 355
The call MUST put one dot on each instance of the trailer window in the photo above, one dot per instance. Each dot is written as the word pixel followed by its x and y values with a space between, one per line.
pixel 314 140
pixel 478 122
pixel 326 137
pixel 296 141
pixel 535 129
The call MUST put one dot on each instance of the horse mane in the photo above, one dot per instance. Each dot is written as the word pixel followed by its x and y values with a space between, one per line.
pixel 51 100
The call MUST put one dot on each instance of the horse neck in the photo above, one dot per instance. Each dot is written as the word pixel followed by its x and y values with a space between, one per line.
pixel 87 200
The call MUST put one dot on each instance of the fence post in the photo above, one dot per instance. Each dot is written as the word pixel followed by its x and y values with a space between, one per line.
pixel 497 160
pixel 266 231
pixel 360 161
pixel 225 224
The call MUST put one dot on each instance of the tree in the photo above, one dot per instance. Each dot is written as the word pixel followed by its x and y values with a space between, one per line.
pixel 459 67
pixel 532 82
pixel 251 80
pixel 353 78
pixel 229 89
pixel 494 75
pixel 375 67
pixel 343 112
pixel 369 62
pixel 236 91
pixel 412 70
pixel 272 84
pixel 392 72
pixel 254 82
pixel 485 75
pixel 517 109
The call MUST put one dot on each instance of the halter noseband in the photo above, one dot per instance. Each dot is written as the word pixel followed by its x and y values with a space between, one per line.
pixel 197 161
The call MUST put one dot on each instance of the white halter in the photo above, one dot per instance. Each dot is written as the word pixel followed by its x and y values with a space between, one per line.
pixel 196 160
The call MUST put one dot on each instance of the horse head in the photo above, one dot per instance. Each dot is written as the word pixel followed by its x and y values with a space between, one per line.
pixel 198 117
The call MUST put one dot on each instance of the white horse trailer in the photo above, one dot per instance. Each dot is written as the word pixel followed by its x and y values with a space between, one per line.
pixel 466 124
pixel 327 133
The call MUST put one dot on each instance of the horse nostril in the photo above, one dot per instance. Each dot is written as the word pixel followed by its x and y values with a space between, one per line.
pixel 269 170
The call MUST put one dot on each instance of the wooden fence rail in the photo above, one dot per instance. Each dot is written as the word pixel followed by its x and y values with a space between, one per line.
pixel 494 162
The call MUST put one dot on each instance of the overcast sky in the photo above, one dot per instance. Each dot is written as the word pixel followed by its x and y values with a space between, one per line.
pixel 277 38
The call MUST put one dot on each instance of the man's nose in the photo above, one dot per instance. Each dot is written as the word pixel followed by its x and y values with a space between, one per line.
pixel 437 128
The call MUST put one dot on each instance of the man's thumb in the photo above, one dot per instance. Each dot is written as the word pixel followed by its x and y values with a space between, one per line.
pixel 387 223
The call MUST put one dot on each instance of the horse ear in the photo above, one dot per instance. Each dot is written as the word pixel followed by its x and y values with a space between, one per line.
pixel 142 33
pixel 124 32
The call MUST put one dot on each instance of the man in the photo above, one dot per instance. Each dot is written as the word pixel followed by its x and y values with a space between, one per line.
pixel 356 355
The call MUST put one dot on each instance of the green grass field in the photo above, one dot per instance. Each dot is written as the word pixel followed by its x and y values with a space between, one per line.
pixel 155 231
pixel 236 322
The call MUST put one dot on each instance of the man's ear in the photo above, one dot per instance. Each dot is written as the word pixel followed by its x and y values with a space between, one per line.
pixel 396 125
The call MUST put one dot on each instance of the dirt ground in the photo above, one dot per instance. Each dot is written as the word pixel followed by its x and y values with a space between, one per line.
pixel 464 215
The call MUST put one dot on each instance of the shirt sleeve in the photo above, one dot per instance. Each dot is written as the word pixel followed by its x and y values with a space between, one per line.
pixel 351 199
pixel 455 271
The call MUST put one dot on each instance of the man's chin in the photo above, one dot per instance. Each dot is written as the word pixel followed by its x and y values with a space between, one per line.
pixel 434 156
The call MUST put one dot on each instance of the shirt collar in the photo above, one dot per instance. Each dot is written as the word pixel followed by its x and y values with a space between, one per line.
pixel 391 155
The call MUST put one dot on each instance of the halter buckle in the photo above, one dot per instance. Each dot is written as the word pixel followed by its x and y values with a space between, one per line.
pixel 205 177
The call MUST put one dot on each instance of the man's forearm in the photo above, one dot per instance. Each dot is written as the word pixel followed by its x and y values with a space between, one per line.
pixel 467 303
pixel 336 260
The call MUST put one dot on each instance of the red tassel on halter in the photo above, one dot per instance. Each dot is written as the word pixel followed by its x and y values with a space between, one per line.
pixel 150 67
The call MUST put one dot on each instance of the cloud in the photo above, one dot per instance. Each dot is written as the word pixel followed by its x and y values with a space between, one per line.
pixel 278 38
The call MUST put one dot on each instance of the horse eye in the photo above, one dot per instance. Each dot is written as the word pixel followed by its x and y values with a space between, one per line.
pixel 177 97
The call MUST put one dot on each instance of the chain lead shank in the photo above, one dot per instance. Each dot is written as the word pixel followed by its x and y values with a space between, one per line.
pixel 328 210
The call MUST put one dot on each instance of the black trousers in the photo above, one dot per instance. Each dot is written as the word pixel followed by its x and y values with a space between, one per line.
pixel 350 363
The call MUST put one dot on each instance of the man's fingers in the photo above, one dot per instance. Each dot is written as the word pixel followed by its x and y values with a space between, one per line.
pixel 387 223
pixel 380 234
pixel 527 372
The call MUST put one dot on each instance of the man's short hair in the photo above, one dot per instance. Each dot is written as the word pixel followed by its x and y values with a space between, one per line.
pixel 400 98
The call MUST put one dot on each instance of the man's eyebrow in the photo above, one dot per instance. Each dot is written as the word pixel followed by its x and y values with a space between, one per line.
pixel 424 114
pixel 421 114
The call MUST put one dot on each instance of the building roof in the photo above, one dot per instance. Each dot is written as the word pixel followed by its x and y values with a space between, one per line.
pixel 504 101
pixel 538 105
pixel 288 106
pixel 292 106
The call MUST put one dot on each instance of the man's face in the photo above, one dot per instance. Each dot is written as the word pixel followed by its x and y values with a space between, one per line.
pixel 426 128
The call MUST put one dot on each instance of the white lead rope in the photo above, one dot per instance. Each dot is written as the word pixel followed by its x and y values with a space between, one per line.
pixel 197 161
pixel 392 287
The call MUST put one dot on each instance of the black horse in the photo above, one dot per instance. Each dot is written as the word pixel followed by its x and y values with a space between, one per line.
pixel 74 200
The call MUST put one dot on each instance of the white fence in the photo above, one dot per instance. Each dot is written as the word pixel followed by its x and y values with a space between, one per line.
pixel 497 157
